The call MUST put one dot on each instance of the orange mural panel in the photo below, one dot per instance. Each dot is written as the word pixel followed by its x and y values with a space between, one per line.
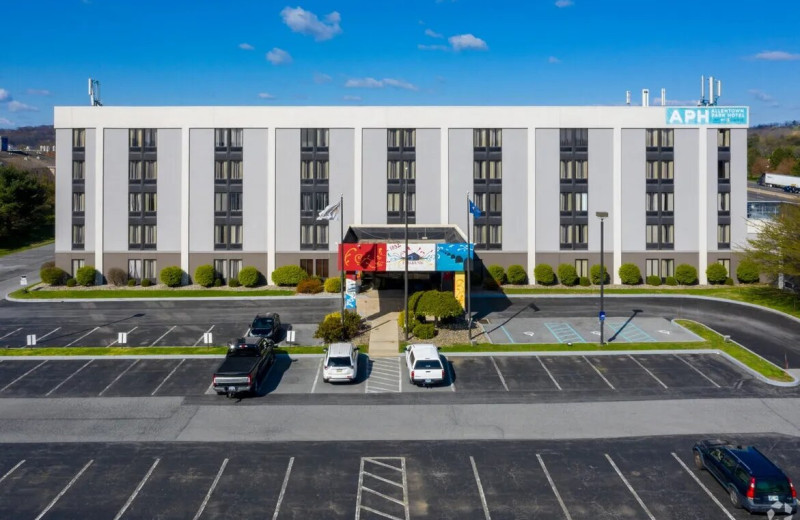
pixel 363 257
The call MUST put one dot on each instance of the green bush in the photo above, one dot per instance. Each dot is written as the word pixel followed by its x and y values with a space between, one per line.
pixel 543 274
pixel 567 274
pixel 72 282
pixel 630 274
pixel 413 301
pixel 171 276
pixel 412 321
pixel 584 281
pixel 424 330
pixel 218 282
pixel 729 281
pixel 498 273
pixel 310 286
pixel 716 273
pixel 289 275
pixel 333 285
pixel 131 282
pixel 439 304
pixel 653 280
pixel 49 263
pixel 747 272
pixel 249 276
pixel 146 282
pixel 670 280
pixel 86 275
pixel 53 275
pixel 234 282
pixel 686 274
pixel 117 276
pixel 517 275
pixel 205 275
pixel 331 330
pixel 594 273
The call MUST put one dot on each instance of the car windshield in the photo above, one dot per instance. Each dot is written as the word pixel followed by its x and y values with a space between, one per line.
pixel 428 364
pixel 773 485
pixel 339 362
pixel 243 351
pixel 263 323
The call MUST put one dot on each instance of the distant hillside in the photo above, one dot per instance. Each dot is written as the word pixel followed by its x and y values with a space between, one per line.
pixel 774 148
pixel 32 136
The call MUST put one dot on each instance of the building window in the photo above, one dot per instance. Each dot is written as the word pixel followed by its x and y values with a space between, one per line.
pixel 724 202
pixel 491 171
pixel 142 137
pixel 150 202
pixel 314 236
pixel 659 203
pixel 660 236
pixel 134 269
pixel 726 263
pixel 321 267
pixel 234 267
pixel 221 203
pixel 307 265
pixel 149 269
pixel 225 138
pixel 574 139
pixel 149 235
pixel 487 137
pixel 667 267
pixel 77 263
pixel 723 138
pixel 150 170
pixel 724 236
pixel 663 171
pixel 402 137
pixel 235 199
pixel 394 204
pixel 574 236
pixel 78 170
pixel 724 172
pixel 78 235
pixel 489 203
pixel 572 169
pixel 135 169
pixel 574 203
pixel 314 170
pixel 78 202
pixel 311 138
pixel 78 138
pixel 236 234
pixel 582 267
pixel 398 170
pixel 651 267
pixel 660 138
pixel 134 235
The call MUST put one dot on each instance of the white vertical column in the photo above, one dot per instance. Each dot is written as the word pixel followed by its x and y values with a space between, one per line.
pixel 444 167
pixel 702 195
pixel 616 204
pixel 271 201
pixel 358 139
pixel 531 216
pixel 99 173
pixel 185 199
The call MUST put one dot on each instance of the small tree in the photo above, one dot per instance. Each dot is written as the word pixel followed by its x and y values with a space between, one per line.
pixel 594 273
pixel 439 304
pixel 716 273
pixel 776 250
pixel 333 285
pixel 117 276
pixel 543 273
pixel 630 274
pixel 171 276
pixel 288 275
pixel 747 271
pixel 205 275
pixel 517 275
pixel 498 273
pixel 86 275
pixel 567 274
pixel 686 274
pixel 249 276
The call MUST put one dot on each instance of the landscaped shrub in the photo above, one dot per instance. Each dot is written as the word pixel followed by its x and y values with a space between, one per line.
pixel 747 272
pixel 53 275
pixel 131 282
pixel 218 282
pixel 289 275
pixel 249 276
pixel 584 281
pixel 234 282
pixel 146 282
pixel 171 276
pixel 86 275
pixel 516 275
pixel 567 274
pixel 413 301
pixel 117 276
pixel 670 280
pixel 412 321
pixel 439 304
pixel 424 330
pixel 498 273
pixel 686 274
pixel 543 273
pixel 716 273
pixel 310 286
pixel 47 264
pixel 653 280
pixel 71 282
pixel 729 281
pixel 333 285
pixel 331 330
pixel 205 275
pixel 630 274
pixel 594 273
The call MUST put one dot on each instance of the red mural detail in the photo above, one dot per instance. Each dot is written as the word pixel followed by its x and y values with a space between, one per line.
pixel 363 257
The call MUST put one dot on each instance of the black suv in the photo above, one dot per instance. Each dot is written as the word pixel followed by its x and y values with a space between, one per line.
pixel 750 478
pixel 267 326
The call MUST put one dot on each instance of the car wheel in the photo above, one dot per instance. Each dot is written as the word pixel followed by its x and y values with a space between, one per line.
pixel 736 500
pixel 326 380
pixel 698 460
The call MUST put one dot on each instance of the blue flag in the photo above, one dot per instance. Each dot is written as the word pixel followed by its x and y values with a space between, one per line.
pixel 475 210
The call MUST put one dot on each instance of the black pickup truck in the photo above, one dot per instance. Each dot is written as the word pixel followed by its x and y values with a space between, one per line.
pixel 245 363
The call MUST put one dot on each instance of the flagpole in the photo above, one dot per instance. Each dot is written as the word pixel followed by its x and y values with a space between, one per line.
pixel 469 274
pixel 341 251
pixel 405 219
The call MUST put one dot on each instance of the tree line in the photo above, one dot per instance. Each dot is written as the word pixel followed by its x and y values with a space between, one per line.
pixel 27 207
pixel 773 149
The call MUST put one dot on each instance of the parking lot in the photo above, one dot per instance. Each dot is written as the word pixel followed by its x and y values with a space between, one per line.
pixel 601 479
pixel 541 374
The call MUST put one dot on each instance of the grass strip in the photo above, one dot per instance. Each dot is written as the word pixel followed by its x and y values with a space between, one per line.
pixel 10 251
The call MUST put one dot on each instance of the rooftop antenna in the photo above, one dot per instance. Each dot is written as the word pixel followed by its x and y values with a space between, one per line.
pixel 628 97
pixel 94 93
pixel 713 98
pixel 663 97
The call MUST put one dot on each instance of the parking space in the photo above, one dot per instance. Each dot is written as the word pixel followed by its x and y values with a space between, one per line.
pixel 677 372
pixel 649 479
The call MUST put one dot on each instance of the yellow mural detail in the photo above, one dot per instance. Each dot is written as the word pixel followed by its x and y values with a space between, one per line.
pixel 460 288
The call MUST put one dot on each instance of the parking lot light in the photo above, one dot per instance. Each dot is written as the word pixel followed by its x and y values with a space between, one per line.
pixel 602 215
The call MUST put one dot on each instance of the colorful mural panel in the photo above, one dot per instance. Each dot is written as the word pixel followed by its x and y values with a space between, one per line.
pixel 421 257
pixel 363 257
pixel 451 257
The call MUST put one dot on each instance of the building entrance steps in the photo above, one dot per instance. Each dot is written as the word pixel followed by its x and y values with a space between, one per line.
pixel 383 338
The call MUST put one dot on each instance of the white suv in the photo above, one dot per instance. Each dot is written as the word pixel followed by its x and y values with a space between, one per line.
pixel 424 365
pixel 341 363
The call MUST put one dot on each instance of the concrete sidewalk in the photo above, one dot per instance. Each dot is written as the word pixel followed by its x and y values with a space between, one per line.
pixel 383 338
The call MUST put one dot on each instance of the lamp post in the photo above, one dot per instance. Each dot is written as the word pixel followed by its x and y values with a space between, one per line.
pixel 602 316
pixel 405 251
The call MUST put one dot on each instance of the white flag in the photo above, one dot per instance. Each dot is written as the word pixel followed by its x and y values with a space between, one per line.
pixel 331 211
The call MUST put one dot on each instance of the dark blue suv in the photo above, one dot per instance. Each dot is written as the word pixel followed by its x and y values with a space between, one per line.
pixel 750 478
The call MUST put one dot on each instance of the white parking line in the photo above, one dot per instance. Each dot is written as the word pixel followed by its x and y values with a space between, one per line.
pixel 283 489
pixel 630 488
pixel 52 331
pixel 23 375
pixel 114 342
pixel 316 376
pixel 63 491
pixel 68 378
pixel 12 470
pixel 211 489
pixel 403 485
pixel 553 487
pixel 480 488
pixel 162 336
pixel 698 371
pixel 703 486
pixel 384 373
pixel 168 376
pixel 450 375
pixel 117 378
pixel 502 379
pixel 660 382
pixel 10 333
pixel 598 372
pixel 77 340
pixel 201 337
pixel 136 491
pixel 548 373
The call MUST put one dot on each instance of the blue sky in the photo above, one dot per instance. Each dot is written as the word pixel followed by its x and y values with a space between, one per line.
pixel 377 52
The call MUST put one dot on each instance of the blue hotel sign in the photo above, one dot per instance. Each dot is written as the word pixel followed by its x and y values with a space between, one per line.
pixel 708 116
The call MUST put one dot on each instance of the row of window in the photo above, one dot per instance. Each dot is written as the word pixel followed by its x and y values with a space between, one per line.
pixel 487 137
pixel 138 202
pixel 138 170
pixel 401 138
pixel 142 137
pixel 228 138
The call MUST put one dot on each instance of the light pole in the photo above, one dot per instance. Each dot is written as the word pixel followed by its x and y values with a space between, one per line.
pixel 602 316
pixel 405 251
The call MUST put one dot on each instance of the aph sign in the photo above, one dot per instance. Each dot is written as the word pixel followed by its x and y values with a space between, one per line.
pixel 708 116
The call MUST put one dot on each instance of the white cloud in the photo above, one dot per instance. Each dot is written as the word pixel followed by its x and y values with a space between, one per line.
pixel 764 97
pixel 564 3
pixel 265 95
pixel 379 83
pixel 5 95
pixel 246 47
pixel 432 33
pixel 320 78
pixel 467 41
pixel 37 92
pixel 278 56
pixel 423 47
pixel 777 56
pixel 16 106
pixel 4 121
pixel 553 59
pixel 351 98
pixel 305 22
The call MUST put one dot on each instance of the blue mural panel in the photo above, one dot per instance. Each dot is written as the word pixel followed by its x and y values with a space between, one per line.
pixel 451 257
